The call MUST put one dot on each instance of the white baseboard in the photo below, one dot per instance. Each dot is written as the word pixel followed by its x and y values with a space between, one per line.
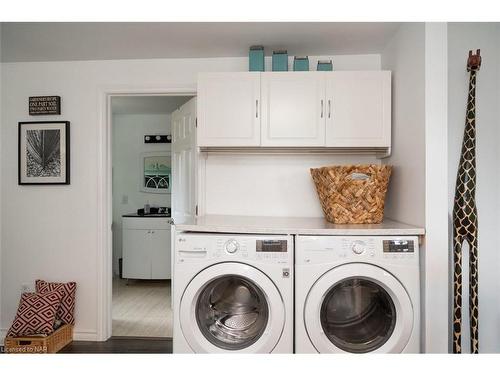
pixel 80 335
pixel 85 336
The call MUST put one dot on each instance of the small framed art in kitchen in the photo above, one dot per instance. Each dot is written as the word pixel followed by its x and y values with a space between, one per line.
pixel 156 176
pixel 43 153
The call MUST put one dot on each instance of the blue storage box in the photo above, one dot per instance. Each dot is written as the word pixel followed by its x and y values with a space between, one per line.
pixel 256 59
pixel 301 64
pixel 280 61
pixel 325 66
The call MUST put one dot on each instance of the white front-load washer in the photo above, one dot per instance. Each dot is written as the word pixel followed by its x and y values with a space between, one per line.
pixel 232 293
pixel 357 294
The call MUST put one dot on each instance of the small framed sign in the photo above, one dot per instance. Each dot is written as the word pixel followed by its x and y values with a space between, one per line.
pixel 44 105
pixel 43 153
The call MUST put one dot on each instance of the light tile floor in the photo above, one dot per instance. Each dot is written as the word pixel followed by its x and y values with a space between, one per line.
pixel 142 308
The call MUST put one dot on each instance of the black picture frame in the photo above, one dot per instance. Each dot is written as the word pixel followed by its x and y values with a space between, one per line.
pixel 64 161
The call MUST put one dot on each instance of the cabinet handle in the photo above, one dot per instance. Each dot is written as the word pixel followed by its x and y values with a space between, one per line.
pixel 321 108
pixel 329 108
pixel 256 108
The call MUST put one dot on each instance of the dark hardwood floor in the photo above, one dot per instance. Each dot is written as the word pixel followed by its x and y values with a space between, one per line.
pixel 130 345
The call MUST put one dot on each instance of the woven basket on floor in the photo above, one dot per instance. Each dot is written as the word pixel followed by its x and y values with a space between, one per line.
pixel 40 344
pixel 352 194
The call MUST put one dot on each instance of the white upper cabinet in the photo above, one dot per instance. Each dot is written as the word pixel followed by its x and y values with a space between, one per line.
pixel 343 109
pixel 293 109
pixel 358 109
pixel 229 109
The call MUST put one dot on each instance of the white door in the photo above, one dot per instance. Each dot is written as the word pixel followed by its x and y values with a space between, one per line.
pixel 160 254
pixel 184 162
pixel 358 308
pixel 358 109
pixel 232 308
pixel 136 254
pixel 293 109
pixel 229 109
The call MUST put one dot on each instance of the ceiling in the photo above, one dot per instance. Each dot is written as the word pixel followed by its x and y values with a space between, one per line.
pixel 47 41
pixel 126 105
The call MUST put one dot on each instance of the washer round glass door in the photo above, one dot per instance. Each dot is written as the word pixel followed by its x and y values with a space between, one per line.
pixel 358 308
pixel 229 307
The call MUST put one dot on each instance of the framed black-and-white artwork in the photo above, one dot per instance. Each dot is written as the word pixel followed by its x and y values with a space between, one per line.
pixel 43 153
pixel 156 172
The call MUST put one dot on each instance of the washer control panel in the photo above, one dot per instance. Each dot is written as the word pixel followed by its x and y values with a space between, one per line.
pixel 231 246
pixel 193 247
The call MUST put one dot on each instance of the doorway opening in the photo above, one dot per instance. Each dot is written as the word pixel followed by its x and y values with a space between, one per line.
pixel 142 197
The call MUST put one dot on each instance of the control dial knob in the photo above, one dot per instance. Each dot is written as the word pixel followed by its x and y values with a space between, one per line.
pixel 231 246
pixel 358 247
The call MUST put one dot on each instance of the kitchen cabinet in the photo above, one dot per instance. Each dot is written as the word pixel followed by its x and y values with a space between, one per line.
pixel 344 109
pixel 358 109
pixel 229 109
pixel 293 109
pixel 146 248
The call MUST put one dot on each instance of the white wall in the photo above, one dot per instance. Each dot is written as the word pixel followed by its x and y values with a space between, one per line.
pixel 404 55
pixel 435 259
pixel 1 67
pixel 268 185
pixel 463 37
pixel 53 232
pixel 127 147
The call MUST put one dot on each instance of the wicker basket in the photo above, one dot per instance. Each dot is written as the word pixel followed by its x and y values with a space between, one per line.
pixel 40 344
pixel 352 194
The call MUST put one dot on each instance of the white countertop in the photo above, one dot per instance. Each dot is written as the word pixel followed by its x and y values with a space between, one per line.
pixel 293 225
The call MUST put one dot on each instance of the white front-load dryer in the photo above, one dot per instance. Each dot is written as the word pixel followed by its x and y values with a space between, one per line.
pixel 232 293
pixel 357 294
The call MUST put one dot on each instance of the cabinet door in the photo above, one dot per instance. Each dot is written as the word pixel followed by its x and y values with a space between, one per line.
pixel 293 109
pixel 136 254
pixel 229 109
pixel 160 254
pixel 358 109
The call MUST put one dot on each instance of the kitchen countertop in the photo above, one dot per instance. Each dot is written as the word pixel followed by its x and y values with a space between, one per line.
pixel 150 215
pixel 293 225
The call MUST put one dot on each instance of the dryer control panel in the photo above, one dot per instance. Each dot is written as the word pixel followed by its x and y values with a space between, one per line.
pixel 399 246
pixel 326 249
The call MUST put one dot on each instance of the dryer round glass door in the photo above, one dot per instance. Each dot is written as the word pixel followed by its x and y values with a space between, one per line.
pixel 358 315
pixel 369 312
pixel 232 307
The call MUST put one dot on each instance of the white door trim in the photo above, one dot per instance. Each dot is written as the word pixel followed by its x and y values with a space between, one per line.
pixel 104 190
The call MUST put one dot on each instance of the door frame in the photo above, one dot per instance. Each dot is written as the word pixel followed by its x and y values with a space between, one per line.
pixel 104 261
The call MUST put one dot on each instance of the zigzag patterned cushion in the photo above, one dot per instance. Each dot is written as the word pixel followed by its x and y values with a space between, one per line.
pixel 66 312
pixel 36 314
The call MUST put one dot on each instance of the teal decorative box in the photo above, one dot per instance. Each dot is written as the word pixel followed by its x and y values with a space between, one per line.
pixel 280 61
pixel 325 66
pixel 256 59
pixel 301 64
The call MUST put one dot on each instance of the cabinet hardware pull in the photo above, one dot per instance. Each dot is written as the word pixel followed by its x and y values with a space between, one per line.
pixel 257 108
pixel 321 108
pixel 329 108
